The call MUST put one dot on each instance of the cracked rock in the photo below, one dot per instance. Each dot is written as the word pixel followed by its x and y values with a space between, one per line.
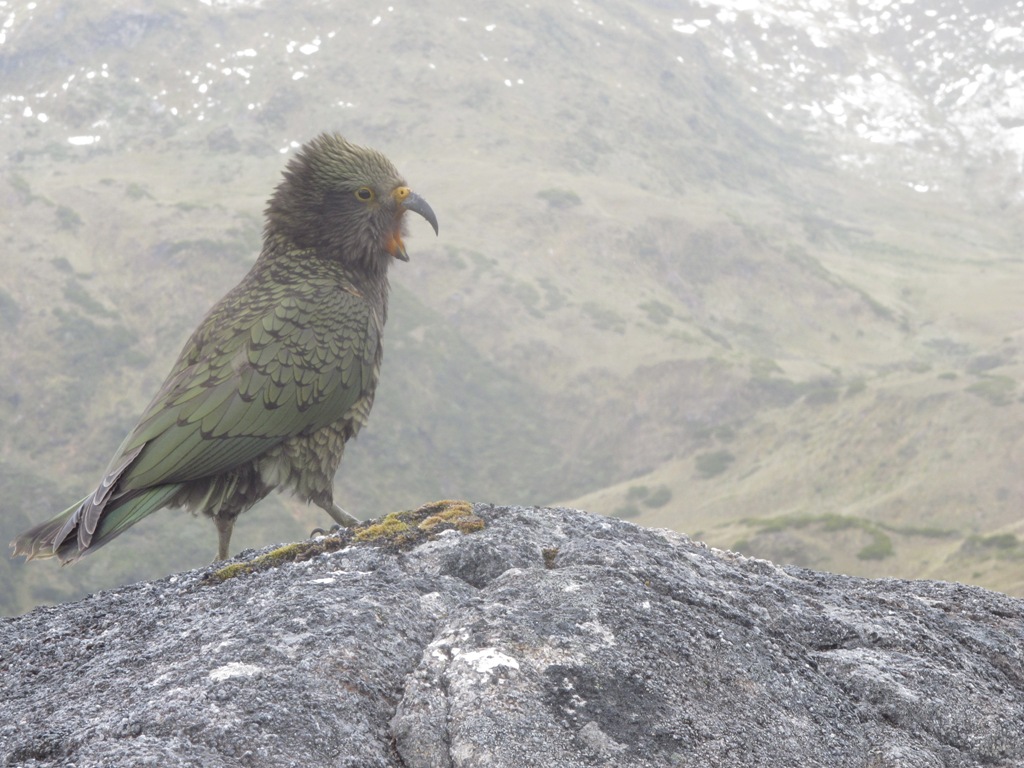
pixel 548 637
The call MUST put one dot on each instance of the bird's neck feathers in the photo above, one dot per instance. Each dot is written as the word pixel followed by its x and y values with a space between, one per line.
pixel 351 261
pixel 283 262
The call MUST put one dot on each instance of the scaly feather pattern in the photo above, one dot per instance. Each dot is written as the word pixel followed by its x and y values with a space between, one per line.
pixel 280 373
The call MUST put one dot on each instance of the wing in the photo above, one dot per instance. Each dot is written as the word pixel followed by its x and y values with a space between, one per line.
pixel 267 363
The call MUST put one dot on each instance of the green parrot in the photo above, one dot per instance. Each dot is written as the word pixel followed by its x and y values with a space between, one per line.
pixel 279 374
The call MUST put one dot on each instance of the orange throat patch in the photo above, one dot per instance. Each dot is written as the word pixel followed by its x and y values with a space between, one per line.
pixel 394 244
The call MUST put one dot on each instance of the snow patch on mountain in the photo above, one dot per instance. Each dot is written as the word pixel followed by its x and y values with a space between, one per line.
pixel 928 78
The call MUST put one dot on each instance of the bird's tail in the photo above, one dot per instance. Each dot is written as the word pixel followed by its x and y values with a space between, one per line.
pixel 59 537
pixel 39 541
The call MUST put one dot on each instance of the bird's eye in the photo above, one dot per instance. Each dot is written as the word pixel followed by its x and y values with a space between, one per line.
pixel 365 194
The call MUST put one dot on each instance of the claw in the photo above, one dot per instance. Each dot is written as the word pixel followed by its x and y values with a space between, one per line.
pixel 321 532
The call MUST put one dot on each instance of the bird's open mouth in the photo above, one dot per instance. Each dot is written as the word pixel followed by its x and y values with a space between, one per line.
pixel 395 246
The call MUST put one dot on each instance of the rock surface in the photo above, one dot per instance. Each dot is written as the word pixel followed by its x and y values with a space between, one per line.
pixel 548 637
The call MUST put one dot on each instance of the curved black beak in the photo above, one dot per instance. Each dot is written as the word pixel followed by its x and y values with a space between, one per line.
pixel 417 204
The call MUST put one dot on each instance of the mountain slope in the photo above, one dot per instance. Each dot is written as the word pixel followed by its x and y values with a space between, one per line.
pixel 651 273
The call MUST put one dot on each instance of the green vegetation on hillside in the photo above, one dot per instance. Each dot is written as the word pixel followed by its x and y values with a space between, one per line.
pixel 700 302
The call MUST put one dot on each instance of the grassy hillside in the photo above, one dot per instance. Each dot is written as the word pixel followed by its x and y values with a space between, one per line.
pixel 646 299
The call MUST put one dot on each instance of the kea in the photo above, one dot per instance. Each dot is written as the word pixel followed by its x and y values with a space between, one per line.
pixel 278 376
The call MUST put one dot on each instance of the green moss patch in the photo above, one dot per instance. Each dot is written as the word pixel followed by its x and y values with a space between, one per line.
pixel 399 531
pixel 289 553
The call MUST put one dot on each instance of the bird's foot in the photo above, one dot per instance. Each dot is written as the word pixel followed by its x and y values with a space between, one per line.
pixel 321 532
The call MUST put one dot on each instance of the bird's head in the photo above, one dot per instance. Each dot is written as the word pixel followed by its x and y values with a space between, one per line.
pixel 346 201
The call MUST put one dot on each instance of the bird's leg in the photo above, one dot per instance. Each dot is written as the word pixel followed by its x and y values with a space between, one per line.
pixel 224 525
pixel 341 517
pixel 325 500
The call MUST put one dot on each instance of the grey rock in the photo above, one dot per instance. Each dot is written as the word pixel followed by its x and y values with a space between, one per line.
pixel 548 638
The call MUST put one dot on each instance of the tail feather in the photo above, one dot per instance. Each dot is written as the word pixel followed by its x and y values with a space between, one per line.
pixel 59 537
pixel 93 507
pixel 40 541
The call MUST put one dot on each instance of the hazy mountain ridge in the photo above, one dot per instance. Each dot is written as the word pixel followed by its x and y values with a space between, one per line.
pixel 634 262
pixel 934 86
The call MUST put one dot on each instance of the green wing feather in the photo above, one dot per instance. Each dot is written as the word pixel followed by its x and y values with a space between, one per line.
pixel 271 360
pixel 246 383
